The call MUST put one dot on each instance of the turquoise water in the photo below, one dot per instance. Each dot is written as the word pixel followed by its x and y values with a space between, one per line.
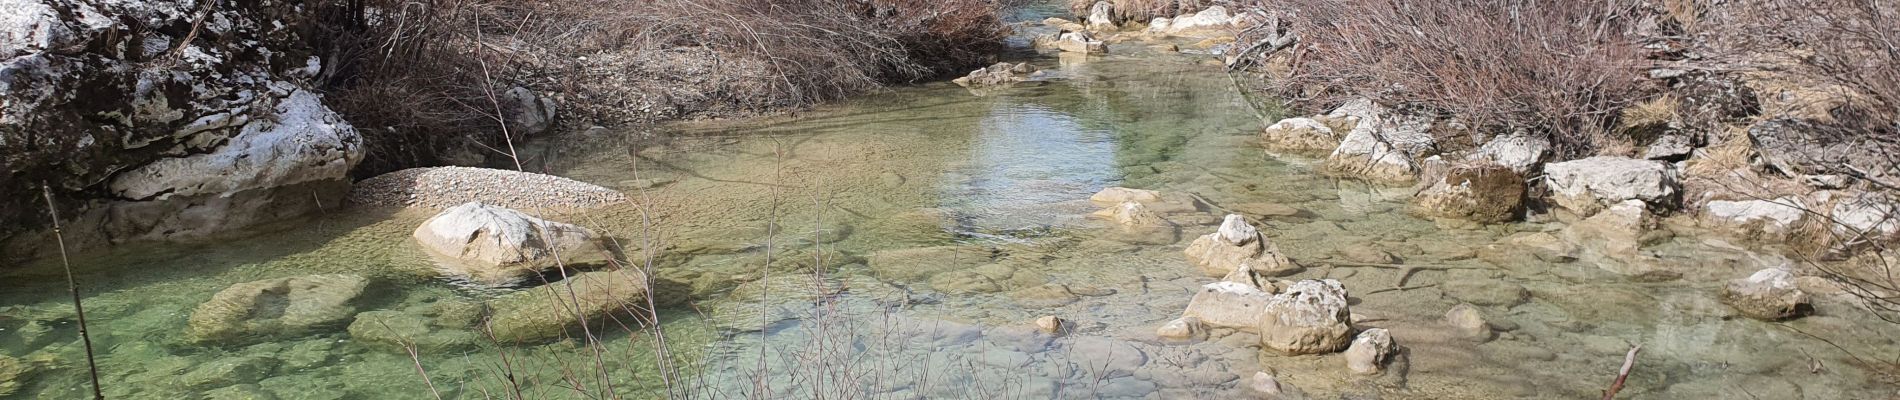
pixel 1002 176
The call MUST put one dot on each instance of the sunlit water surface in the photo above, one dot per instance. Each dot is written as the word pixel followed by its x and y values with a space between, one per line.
pixel 1003 174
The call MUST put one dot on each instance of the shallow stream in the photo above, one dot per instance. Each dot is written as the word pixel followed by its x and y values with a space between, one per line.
pixel 1002 176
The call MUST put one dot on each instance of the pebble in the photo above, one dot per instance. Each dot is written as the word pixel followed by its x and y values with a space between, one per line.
pixel 443 187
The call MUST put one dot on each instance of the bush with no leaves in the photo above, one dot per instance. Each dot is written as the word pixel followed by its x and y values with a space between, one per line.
pixel 1563 68
pixel 420 76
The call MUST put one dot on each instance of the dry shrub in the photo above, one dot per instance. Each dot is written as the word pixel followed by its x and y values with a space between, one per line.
pixel 1560 68
pixel 1849 48
pixel 421 76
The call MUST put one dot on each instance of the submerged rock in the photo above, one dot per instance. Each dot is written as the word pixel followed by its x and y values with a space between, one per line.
pixel 1769 294
pixel 1369 351
pixel 1308 317
pixel 1153 201
pixel 229 371
pixel 276 307
pixel 1234 246
pixel 1134 223
pixel 1484 193
pixel 754 305
pixel 399 330
pixel 549 312
pixel 1590 185
pixel 13 375
pixel 1468 322
pixel 498 246
pixel 917 264
pixel 1621 230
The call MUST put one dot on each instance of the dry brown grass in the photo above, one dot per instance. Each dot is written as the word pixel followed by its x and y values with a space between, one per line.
pixel 419 76
pixel 1564 69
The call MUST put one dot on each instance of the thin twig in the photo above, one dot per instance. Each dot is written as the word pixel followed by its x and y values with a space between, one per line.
pixel 72 286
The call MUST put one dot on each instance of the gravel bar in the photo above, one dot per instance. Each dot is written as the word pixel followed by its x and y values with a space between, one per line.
pixel 443 187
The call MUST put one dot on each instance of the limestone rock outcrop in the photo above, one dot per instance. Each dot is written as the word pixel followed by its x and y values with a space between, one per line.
pixel 1381 145
pixel 1592 184
pixel 147 135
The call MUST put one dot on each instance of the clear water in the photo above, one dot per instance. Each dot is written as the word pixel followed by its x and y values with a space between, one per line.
pixel 1007 171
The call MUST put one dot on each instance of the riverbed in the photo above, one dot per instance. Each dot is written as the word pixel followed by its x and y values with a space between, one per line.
pixel 991 186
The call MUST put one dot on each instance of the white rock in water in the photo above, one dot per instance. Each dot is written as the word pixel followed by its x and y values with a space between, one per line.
pixel 1266 384
pixel 1236 231
pixel 1589 185
pixel 1300 134
pixel 1181 329
pixel 1769 294
pixel 1228 305
pixel 1235 245
pixel 1309 317
pixel 496 246
pixel 1369 351
pixel 1468 322
pixel 1050 324
pixel 1380 146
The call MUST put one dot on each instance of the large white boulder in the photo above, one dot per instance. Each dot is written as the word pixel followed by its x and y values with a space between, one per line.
pixel 498 246
pixel 1589 185
pixel 1308 317
pixel 1212 21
